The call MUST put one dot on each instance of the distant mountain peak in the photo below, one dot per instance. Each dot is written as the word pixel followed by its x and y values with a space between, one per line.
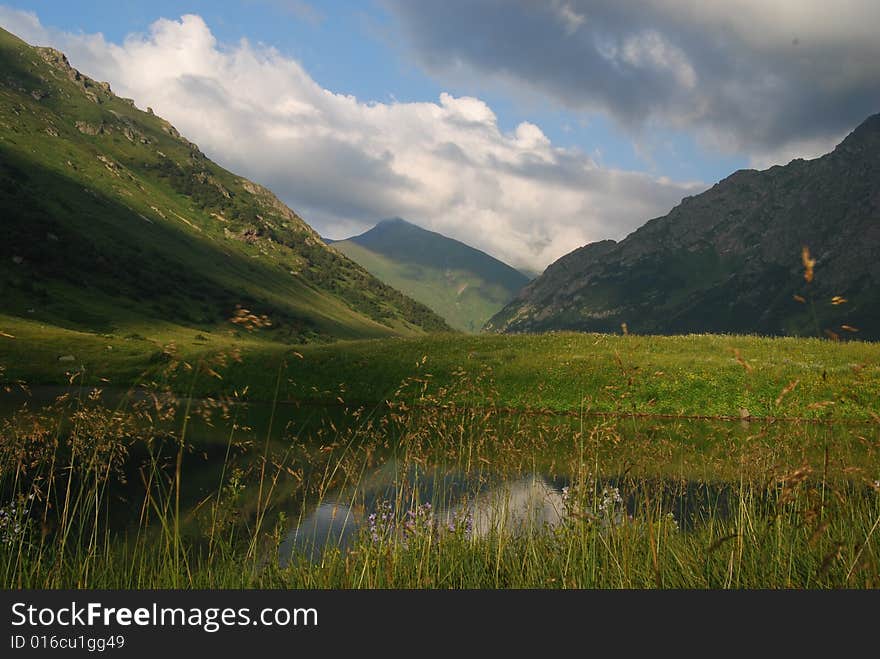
pixel 866 136
pixel 391 221
pixel 400 225
pixel 461 283
pixel 869 125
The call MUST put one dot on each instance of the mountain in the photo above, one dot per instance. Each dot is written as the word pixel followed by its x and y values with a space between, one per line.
pixel 730 259
pixel 462 284
pixel 111 218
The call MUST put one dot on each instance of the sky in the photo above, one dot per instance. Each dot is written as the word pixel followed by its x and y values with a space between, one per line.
pixel 523 128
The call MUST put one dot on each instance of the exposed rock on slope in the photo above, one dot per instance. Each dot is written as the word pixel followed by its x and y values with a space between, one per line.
pixel 729 259
pixel 147 227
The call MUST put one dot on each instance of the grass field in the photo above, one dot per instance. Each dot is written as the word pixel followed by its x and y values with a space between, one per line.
pixel 777 506
pixel 701 375
pixel 122 497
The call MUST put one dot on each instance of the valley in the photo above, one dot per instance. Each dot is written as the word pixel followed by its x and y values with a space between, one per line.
pixel 199 392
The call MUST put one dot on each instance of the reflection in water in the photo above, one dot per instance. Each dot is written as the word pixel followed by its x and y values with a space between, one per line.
pixel 479 503
pixel 388 504
pixel 330 523
pixel 514 506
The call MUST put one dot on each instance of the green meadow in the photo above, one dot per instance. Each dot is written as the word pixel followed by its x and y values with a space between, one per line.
pixel 696 375
pixel 449 461
pixel 196 392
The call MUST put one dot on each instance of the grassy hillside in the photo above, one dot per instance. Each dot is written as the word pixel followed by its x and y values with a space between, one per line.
pixel 112 220
pixel 462 284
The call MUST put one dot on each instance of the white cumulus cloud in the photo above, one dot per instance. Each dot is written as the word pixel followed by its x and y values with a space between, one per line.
pixel 343 164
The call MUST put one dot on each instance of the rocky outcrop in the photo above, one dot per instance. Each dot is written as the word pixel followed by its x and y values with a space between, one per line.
pixel 97 92
pixel 86 128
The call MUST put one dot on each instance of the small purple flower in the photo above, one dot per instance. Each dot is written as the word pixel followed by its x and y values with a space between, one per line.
pixel 379 521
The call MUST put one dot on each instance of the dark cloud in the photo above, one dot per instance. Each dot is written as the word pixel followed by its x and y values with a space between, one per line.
pixel 748 76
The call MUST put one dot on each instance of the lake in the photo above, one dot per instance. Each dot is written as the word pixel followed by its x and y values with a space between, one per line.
pixel 330 476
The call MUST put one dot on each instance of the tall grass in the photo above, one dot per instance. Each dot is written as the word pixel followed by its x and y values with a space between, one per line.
pixel 99 497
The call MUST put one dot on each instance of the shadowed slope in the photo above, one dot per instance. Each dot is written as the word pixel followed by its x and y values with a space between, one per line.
pixel 108 214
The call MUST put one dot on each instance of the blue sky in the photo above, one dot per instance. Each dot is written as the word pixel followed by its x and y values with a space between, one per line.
pixel 482 119
pixel 352 47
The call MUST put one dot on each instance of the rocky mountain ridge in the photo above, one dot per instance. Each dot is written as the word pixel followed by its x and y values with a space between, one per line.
pixel 729 260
